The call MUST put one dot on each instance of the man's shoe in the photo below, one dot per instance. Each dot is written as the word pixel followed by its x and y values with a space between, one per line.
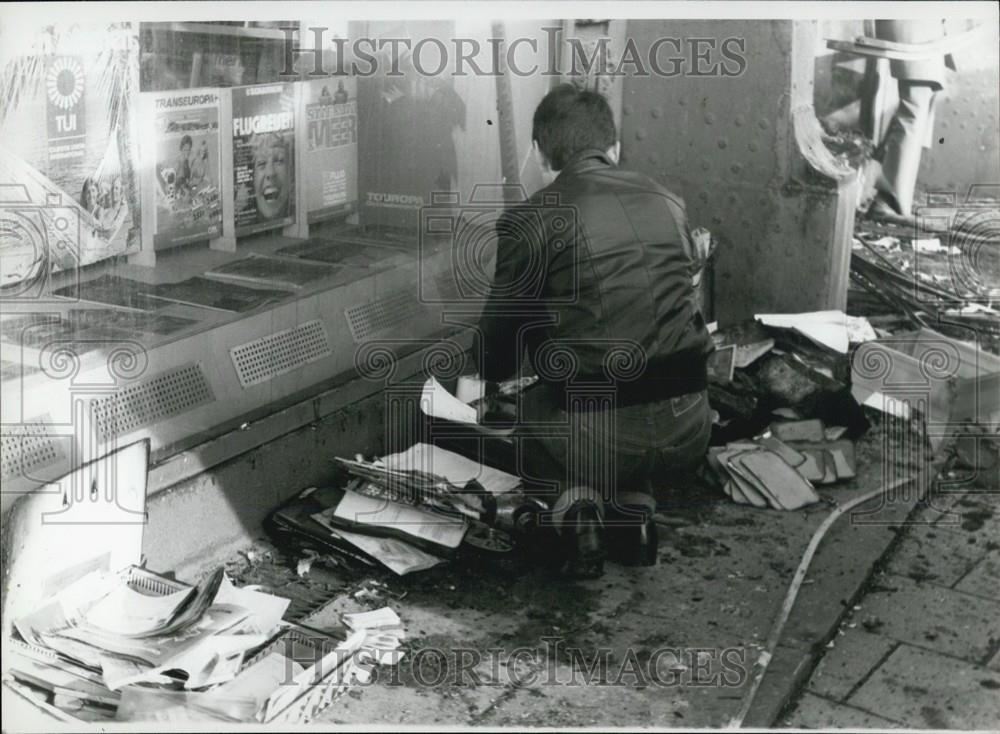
pixel 583 538
pixel 635 543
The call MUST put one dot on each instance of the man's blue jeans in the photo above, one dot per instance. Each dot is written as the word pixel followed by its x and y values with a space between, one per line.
pixel 584 448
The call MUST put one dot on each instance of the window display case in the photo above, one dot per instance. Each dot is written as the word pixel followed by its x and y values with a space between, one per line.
pixel 179 55
pixel 272 235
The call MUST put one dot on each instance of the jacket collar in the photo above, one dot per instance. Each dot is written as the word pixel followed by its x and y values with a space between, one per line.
pixel 585 160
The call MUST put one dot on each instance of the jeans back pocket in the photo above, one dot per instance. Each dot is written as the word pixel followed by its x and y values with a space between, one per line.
pixel 683 403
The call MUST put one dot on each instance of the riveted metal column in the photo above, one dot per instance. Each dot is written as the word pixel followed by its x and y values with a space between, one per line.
pixel 735 135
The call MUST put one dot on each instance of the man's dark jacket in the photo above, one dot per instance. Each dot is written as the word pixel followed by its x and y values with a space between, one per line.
pixel 593 283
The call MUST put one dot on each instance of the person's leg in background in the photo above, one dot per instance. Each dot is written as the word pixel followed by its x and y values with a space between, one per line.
pixel 911 128
pixel 902 148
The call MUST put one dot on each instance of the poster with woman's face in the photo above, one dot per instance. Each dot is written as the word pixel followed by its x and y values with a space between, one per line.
pixel 264 156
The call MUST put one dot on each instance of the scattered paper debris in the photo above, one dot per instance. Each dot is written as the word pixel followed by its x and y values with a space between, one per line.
pixel 437 402
pixel 457 469
pixel 304 564
pixel 398 556
pixel 825 328
pixel 414 521
pixel 933 246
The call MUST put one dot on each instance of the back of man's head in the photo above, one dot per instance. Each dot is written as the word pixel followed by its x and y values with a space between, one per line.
pixel 570 120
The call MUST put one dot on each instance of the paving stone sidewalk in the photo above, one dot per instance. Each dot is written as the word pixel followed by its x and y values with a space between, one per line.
pixel 922 648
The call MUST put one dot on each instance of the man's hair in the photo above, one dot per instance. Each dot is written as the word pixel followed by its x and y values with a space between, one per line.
pixel 570 120
pixel 186 140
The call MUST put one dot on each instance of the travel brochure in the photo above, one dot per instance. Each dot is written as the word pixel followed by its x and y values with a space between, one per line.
pixel 186 173
pixel 263 138
pixel 331 160
pixel 181 178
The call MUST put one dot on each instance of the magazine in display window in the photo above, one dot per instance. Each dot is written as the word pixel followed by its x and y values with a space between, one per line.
pixel 68 104
pixel 331 160
pixel 263 157
pixel 186 172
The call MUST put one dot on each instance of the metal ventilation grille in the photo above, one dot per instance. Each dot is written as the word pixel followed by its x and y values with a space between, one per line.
pixel 143 403
pixel 367 319
pixel 26 449
pixel 265 358
pixel 149 583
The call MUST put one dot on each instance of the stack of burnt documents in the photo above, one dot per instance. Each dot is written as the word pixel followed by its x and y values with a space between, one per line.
pixel 407 511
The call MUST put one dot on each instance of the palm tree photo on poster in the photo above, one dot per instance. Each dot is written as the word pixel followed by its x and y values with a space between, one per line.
pixel 69 191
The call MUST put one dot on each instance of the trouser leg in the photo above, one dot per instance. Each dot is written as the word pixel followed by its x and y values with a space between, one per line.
pixel 578 468
pixel 573 455
pixel 576 494
pixel 554 461
pixel 557 452
pixel 637 498
pixel 633 501
pixel 903 145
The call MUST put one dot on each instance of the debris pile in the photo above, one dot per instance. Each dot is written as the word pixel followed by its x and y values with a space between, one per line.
pixel 933 293
pixel 136 646
pixel 947 280
pixel 918 343
pixel 785 417
pixel 780 468
pixel 408 511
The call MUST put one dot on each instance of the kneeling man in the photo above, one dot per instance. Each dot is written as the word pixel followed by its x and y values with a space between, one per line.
pixel 593 283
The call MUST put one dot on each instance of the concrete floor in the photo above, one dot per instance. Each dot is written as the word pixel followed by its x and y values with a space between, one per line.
pixel 908 598
pixel 506 643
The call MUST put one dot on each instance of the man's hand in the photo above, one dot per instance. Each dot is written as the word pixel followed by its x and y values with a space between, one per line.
pixel 484 395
